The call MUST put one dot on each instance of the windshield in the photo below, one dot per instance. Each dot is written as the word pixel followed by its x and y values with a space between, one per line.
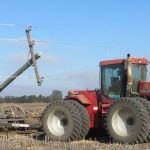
pixel 139 72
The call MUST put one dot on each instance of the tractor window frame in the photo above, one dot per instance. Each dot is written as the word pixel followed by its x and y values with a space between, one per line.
pixel 105 92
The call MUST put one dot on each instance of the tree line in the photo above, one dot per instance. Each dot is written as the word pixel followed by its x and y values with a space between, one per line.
pixel 56 95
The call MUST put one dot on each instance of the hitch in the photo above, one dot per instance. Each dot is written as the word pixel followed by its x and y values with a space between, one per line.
pixel 31 44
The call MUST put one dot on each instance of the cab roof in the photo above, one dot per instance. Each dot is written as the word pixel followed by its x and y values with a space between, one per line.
pixel 133 60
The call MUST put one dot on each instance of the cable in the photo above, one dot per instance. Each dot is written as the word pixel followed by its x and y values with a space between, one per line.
pixel 58 44
pixel 21 26
pixel 8 24
pixel 22 40
pixel 32 77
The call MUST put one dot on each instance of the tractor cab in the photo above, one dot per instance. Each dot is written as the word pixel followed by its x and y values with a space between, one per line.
pixel 122 77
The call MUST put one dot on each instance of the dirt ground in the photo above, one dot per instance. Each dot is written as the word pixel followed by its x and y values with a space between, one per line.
pixel 10 140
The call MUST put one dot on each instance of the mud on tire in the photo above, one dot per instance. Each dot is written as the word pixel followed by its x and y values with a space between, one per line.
pixel 127 121
pixel 61 121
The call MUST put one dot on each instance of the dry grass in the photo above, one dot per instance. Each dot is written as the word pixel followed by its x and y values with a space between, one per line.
pixel 13 141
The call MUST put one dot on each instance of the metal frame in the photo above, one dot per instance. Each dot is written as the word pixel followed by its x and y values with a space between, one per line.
pixel 20 121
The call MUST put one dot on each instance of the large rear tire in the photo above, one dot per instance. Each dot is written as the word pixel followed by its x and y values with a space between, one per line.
pixel 61 121
pixel 127 121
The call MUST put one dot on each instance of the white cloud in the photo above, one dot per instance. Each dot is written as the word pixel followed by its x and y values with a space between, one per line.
pixel 23 57
pixel 18 57
pixel 49 58
pixel 67 81
pixel 78 80
pixel 23 41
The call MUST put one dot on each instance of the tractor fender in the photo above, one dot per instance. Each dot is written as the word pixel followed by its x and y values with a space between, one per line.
pixel 79 97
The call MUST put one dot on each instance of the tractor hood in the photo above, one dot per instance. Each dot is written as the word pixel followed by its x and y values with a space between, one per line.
pixel 144 88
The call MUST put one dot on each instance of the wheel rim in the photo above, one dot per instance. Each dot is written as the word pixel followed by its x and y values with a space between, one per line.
pixel 123 122
pixel 57 123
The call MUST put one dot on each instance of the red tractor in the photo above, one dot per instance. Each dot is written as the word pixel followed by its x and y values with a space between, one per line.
pixel 121 106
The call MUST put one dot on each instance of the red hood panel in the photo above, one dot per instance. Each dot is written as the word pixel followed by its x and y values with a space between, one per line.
pixel 144 88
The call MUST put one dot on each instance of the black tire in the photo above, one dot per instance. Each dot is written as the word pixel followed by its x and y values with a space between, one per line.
pixel 85 118
pixel 135 122
pixel 146 103
pixel 70 121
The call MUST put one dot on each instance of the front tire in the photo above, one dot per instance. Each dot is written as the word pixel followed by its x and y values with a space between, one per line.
pixel 61 121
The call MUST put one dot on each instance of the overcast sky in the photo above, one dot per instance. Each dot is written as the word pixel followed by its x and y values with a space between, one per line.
pixel 76 35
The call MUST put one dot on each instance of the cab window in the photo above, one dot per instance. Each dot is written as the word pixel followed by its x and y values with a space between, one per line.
pixel 112 76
